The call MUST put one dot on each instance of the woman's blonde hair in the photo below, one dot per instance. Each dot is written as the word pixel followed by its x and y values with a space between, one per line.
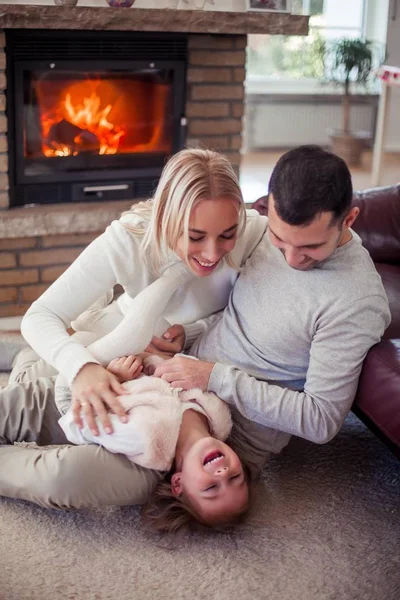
pixel 165 512
pixel 189 176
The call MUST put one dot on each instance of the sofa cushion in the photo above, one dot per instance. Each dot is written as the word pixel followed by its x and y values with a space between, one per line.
pixel 391 280
pixel 378 223
pixel 379 388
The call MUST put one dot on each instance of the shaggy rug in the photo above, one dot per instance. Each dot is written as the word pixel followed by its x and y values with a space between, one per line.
pixel 324 526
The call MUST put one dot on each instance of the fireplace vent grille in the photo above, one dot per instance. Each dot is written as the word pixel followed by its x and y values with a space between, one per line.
pixel 67 45
pixel 145 187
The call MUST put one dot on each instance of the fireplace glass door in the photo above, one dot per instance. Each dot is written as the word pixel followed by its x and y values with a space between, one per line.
pixel 72 120
pixel 92 115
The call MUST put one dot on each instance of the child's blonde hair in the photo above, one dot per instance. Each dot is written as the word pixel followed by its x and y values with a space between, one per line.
pixel 165 512
pixel 189 176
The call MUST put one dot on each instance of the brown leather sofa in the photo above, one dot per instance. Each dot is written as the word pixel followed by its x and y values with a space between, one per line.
pixel 377 401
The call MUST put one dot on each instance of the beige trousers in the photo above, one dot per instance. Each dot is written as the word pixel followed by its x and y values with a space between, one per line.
pixel 62 477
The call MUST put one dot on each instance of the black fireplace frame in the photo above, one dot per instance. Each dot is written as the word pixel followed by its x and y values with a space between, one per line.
pixel 95 178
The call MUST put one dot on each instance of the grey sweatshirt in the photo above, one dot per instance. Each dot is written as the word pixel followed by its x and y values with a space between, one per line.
pixel 290 344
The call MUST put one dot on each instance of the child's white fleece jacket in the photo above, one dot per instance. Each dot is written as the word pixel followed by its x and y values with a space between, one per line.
pixel 155 411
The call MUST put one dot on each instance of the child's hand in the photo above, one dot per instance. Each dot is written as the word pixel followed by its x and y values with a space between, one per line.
pixel 126 367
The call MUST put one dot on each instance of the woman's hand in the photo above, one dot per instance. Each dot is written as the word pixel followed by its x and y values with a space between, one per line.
pixel 95 391
pixel 126 368
pixel 171 343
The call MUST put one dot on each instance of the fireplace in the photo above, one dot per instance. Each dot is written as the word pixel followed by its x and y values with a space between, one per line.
pixel 92 115
pixel 94 46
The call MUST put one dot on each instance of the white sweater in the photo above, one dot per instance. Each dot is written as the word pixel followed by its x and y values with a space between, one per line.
pixel 114 258
pixel 155 411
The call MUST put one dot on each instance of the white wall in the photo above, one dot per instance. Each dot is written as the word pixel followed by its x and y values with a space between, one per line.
pixel 393 58
pixel 376 26
pixel 286 124
pixel 334 10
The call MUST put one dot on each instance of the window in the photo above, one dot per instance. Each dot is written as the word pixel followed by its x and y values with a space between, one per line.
pixel 279 57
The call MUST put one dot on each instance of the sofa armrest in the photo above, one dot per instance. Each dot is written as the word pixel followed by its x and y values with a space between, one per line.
pixel 378 393
pixel 378 223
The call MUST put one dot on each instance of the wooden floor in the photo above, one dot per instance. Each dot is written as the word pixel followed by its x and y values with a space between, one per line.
pixel 256 169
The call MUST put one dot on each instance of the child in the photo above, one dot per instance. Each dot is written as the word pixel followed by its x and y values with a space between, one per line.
pixel 181 432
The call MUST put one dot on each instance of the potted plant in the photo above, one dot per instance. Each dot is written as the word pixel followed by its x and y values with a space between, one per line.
pixel 349 63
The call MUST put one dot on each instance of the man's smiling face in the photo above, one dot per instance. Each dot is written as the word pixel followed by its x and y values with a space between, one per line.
pixel 305 246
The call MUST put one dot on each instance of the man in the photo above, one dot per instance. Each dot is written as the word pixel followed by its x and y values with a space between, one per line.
pixel 286 353
pixel 288 349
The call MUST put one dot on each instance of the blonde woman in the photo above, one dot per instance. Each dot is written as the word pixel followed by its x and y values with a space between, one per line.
pixel 197 216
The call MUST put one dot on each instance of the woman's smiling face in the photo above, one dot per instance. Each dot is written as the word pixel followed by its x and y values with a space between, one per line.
pixel 213 227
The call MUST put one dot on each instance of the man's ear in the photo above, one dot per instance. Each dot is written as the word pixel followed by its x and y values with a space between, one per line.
pixel 351 216
pixel 176 484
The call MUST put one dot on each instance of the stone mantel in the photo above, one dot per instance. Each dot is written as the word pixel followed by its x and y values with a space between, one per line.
pixel 59 219
pixel 140 19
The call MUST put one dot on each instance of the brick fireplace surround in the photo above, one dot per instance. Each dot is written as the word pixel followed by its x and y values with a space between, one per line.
pixel 38 243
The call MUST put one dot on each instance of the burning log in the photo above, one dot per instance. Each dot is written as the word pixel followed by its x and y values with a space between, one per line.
pixel 71 139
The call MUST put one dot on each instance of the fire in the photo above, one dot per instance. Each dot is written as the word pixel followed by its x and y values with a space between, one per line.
pixel 102 116
pixel 88 117
pixel 60 150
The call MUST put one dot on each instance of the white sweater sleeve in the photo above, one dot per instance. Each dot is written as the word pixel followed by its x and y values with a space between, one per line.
pixel 135 331
pixel 256 226
pixel 196 329
pixel 255 229
pixel 111 258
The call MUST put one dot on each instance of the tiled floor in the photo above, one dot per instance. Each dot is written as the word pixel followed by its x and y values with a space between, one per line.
pixel 257 167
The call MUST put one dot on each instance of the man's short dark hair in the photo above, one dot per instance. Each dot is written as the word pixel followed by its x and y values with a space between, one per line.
pixel 308 181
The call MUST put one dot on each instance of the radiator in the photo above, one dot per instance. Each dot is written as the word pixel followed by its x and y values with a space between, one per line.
pixel 287 124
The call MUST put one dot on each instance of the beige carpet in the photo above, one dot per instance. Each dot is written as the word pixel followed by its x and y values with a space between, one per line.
pixel 325 526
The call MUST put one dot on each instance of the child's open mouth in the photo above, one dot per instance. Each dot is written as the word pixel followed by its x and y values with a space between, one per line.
pixel 213 456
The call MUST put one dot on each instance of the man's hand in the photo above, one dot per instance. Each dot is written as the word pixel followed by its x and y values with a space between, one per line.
pixel 126 368
pixel 171 343
pixel 185 372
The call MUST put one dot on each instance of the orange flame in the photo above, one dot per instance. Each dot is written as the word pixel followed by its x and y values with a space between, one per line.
pixel 89 117
pixel 102 116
